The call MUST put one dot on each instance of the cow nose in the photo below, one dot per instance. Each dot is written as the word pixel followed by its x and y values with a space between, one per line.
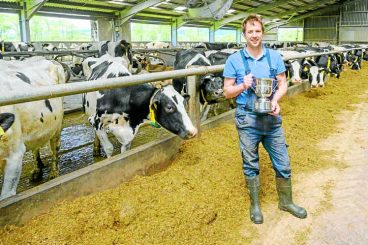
pixel 219 92
pixel 193 133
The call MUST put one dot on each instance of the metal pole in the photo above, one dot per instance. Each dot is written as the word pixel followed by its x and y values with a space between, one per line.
pixel 194 103
pixel 44 92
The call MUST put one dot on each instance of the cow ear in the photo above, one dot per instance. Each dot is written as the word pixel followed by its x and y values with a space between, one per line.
pixel 6 121
pixel 156 99
pixel 186 97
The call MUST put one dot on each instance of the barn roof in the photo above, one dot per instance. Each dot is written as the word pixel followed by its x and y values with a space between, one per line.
pixel 218 13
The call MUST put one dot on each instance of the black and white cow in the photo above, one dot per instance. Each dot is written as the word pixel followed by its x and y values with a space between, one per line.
pixel 122 111
pixel 211 87
pixel 293 67
pixel 120 49
pixel 49 47
pixel 217 46
pixel 186 58
pixel 157 45
pixel 34 124
pixel 76 66
pixel 17 47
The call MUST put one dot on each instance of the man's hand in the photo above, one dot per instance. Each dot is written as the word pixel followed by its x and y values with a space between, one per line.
pixel 247 81
pixel 275 108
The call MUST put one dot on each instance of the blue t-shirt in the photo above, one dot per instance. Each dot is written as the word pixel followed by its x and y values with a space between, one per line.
pixel 234 68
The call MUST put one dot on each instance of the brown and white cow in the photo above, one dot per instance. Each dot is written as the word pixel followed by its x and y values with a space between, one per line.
pixel 34 124
pixel 122 111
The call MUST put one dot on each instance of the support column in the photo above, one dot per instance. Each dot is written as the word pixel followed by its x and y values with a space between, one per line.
pixel 125 32
pixel 105 29
pixel 25 33
pixel 239 34
pixel 212 34
pixel 174 33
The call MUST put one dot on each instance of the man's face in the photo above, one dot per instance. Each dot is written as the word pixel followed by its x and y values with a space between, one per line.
pixel 253 33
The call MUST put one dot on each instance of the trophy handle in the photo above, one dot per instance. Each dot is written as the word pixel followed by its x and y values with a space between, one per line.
pixel 253 86
pixel 274 85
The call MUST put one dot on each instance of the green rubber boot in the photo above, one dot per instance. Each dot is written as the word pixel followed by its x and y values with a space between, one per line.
pixel 253 190
pixel 284 191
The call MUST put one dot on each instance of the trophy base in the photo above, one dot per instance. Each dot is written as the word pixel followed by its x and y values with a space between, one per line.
pixel 262 107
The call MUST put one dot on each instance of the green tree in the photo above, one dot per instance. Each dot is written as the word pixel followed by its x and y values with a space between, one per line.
pixel 9 27
pixel 150 32
pixel 59 29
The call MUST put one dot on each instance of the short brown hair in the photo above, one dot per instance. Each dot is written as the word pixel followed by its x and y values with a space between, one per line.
pixel 252 18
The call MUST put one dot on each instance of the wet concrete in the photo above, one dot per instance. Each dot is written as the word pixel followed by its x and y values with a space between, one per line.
pixel 76 150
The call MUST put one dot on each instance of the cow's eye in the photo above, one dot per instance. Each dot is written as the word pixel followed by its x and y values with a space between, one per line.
pixel 169 108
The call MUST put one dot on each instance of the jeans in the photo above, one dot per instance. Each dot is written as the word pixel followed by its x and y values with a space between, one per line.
pixel 253 129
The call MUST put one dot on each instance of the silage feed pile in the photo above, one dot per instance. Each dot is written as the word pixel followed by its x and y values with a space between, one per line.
pixel 201 198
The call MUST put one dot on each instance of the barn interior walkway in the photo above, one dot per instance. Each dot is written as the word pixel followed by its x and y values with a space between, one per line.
pixel 336 198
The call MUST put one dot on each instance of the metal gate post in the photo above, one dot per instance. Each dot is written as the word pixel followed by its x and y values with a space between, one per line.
pixel 194 103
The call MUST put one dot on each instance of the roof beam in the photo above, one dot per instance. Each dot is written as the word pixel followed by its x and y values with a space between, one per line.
pixel 33 6
pixel 300 17
pixel 130 12
pixel 304 8
pixel 261 8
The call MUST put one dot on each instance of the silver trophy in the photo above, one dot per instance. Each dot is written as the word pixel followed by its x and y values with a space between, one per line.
pixel 263 89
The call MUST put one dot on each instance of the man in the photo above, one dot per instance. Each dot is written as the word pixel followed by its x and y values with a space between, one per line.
pixel 241 68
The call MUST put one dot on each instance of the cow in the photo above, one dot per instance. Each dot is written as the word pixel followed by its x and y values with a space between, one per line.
pixel 311 71
pixel 16 47
pixel 120 49
pixel 217 46
pixel 49 47
pixel 34 124
pixel 7 47
pixel 329 63
pixel 293 67
pixel 62 46
pixel 211 86
pixel 122 111
pixel 24 47
pixel 76 66
pixel 157 45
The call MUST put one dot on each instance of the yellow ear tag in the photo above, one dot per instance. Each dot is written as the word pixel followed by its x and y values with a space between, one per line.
pixel 2 132
pixel 305 68
pixel 153 122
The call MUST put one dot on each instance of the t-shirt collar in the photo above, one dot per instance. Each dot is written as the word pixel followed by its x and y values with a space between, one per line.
pixel 249 56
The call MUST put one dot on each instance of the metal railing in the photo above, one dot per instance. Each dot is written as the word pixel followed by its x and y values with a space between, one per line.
pixel 60 52
pixel 59 90
pixel 46 92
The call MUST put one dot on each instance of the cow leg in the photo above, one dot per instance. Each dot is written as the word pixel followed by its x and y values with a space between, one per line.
pixel 37 166
pixel 12 172
pixel 54 147
pixel 96 146
pixel 105 142
pixel 125 147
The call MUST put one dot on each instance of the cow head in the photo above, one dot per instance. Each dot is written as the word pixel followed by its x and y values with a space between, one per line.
pixel 6 121
pixel 211 88
pixel 123 48
pixel 315 76
pixel 168 107
pixel 334 66
pixel 294 69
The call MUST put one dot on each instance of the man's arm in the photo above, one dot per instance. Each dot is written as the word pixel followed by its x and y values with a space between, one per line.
pixel 231 89
pixel 280 92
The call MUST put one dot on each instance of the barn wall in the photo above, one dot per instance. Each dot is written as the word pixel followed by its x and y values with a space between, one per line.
pixel 321 28
pixel 354 22
pixel 105 29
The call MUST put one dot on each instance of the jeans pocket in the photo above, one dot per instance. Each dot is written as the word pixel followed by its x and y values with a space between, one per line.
pixel 241 120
